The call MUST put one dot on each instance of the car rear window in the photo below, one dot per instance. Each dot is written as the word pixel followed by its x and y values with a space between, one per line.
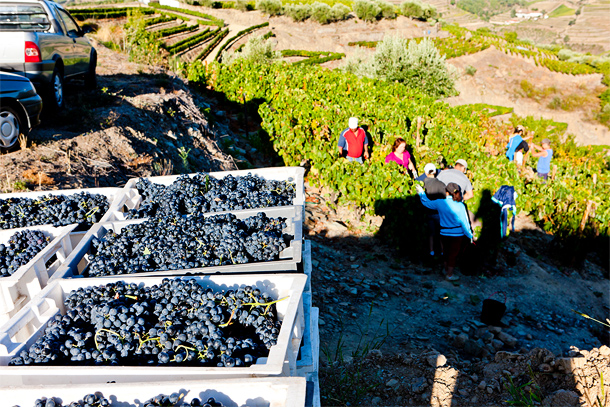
pixel 23 17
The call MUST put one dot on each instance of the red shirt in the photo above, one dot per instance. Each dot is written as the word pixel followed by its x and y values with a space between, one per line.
pixel 355 142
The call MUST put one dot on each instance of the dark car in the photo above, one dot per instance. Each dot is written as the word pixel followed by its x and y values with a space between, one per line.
pixel 20 108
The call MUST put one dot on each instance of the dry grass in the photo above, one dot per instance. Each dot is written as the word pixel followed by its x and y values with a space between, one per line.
pixel 111 33
pixel 165 167
pixel 579 98
pixel 37 178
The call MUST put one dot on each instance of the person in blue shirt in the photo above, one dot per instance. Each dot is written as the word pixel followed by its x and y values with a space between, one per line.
pixel 544 154
pixel 455 225
pixel 517 146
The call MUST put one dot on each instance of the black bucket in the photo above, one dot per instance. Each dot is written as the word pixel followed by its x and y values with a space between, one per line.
pixel 493 310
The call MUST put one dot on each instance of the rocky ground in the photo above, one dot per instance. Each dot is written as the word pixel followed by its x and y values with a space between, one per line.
pixel 394 332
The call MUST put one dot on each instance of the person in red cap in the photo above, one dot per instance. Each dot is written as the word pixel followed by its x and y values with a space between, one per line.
pixel 353 143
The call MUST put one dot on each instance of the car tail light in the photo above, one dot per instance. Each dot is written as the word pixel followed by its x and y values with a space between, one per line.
pixel 32 52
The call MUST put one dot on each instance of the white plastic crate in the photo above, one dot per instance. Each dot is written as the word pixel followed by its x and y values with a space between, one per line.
pixel 309 360
pixel 254 392
pixel 110 193
pixel 289 258
pixel 130 197
pixel 20 287
pixel 29 323
pixel 307 266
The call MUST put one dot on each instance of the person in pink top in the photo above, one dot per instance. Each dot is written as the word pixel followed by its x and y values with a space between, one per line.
pixel 401 156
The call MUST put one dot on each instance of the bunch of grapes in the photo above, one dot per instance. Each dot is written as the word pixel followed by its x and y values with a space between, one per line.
pixel 98 400
pixel 90 400
pixel 177 322
pixel 57 210
pixel 202 193
pixel 21 247
pixel 174 400
pixel 194 241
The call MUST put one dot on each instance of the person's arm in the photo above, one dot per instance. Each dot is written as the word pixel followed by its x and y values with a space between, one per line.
pixel 411 166
pixel 538 151
pixel 342 144
pixel 427 202
pixel 468 195
pixel 464 221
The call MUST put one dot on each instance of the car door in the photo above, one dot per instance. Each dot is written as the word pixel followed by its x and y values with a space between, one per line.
pixel 69 52
pixel 81 45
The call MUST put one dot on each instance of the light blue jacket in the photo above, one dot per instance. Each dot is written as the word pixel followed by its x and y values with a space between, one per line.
pixel 454 219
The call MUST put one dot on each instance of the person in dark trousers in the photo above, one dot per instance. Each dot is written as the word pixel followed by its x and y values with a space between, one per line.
pixel 455 225
pixel 353 143
pixel 544 154
pixel 517 147
pixel 435 189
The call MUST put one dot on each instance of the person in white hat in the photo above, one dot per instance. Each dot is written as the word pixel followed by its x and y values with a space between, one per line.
pixel 353 143
pixel 457 175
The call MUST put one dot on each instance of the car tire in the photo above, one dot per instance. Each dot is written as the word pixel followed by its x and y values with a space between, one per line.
pixel 56 90
pixel 90 76
pixel 11 126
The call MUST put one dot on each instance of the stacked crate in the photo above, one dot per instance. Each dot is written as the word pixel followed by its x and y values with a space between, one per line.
pixel 18 289
pixel 288 376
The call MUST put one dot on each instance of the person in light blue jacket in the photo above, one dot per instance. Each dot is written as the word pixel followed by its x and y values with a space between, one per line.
pixel 456 231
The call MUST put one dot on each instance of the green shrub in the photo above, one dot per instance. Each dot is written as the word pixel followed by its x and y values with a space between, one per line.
pixel 387 9
pixel 238 36
pixel 605 96
pixel 270 7
pixel 367 10
pixel 420 66
pixel 244 5
pixel 510 36
pixel 339 12
pixel 470 70
pixel 555 103
pixel 604 114
pixel 321 13
pixel 418 10
pixel 142 45
pixel 256 50
pixel 298 12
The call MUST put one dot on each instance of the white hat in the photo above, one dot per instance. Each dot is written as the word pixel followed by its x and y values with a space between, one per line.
pixel 429 168
pixel 353 122
pixel 462 162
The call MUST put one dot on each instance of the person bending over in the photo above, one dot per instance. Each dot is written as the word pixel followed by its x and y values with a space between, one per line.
pixel 517 147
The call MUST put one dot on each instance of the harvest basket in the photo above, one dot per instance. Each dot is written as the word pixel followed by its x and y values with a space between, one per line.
pixel 29 323
pixel 20 287
pixel 130 198
pixel 110 193
pixel 77 263
pixel 267 392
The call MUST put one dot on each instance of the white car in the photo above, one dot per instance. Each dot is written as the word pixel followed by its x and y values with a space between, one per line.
pixel 40 40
